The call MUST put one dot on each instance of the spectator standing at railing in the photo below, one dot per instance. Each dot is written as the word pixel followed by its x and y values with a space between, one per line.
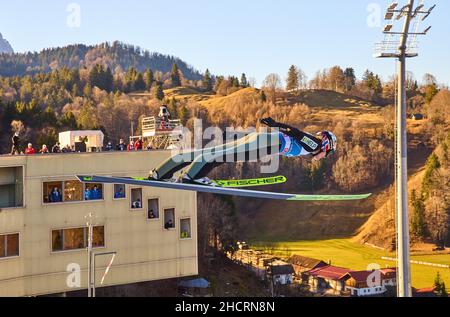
pixel 131 146
pixel 15 144
pixel 138 145
pixel 66 149
pixel 56 148
pixel 109 147
pixel 44 150
pixel 121 146
pixel 30 150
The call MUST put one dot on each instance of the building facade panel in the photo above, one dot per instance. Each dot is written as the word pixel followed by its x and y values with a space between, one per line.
pixel 145 249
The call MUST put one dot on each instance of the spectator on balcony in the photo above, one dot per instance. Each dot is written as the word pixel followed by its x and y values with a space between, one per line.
pixel 55 196
pixel 67 149
pixel 15 144
pixel 44 150
pixel 109 147
pixel 131 146
pixel 119 194
pixel 56 148
pixel 169 224
pixel 121 146
pixel 138 145
pixel 137 204
pixel 96 194
pixel 87 193
pixel 30 150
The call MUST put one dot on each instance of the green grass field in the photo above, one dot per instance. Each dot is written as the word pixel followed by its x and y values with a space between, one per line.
pixel 345 253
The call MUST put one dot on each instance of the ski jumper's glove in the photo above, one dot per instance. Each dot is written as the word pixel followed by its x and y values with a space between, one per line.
pixel 269 122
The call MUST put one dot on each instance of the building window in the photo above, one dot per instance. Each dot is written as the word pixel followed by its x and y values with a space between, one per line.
pixel 169 218
pixel 136 198
pixel 9 245
pixel 119 191
pixel 93 191
pixel 77 238
pixel 71 191
pixel 11 187
pixel 153 209
pixel 185 228
pixel 53 192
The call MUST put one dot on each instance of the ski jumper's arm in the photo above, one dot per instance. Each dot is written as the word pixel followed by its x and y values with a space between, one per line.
pixel 309 142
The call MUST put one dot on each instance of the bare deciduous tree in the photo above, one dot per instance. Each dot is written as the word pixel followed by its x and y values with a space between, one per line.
pixel 272 83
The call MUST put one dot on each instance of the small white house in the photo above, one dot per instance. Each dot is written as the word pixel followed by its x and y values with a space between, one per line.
pixel 94 139
pixel 369 283
pixel 281 273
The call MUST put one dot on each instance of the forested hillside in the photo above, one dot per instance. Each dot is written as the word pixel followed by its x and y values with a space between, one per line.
pixel 117 56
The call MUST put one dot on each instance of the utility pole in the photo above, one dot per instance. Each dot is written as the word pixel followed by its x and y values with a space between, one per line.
pixel 90 256
pixel 402 45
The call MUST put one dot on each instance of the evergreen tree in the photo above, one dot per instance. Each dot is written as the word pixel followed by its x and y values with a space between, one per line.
pixel 175 76
pixel 207 81
pixel 350 78
pixel 262 96
pixel 418 227
pixel 372 81
pixel 431 166
pixel 234 81
pixel 101 78
pixel 183 115
pixel 149 79
pixel 292 82
pixel 439 286
pixel 430 92
pixel 158 93
pixel 130 79
pixel 172 107
pixel 139 84
pixel 87 91
pixel 244 81
pixel 74 90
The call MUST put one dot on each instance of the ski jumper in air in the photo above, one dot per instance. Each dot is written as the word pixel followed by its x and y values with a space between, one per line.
pixel 287 141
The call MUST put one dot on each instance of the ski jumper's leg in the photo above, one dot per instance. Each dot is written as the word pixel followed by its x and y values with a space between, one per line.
pixel 173 164
pixel 249 148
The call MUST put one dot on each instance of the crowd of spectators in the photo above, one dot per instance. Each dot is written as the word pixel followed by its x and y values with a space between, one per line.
pixel 92 194
pixel 137 145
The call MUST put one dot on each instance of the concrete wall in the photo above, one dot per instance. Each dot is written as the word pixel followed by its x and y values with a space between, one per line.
pixel 145 250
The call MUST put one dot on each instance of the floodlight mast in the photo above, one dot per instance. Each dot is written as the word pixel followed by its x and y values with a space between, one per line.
pixel 402 52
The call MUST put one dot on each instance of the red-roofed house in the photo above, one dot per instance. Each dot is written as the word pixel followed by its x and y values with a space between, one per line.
pixel 369 283
pixel 327 277
pixel 424 292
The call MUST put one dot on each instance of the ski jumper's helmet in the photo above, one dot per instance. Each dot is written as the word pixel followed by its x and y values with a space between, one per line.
pixel 329 143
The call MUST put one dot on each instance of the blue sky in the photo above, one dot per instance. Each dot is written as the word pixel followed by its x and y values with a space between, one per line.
pixel 257 37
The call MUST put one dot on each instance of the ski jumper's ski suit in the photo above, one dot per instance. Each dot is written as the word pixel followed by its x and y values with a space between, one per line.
pixel 288 142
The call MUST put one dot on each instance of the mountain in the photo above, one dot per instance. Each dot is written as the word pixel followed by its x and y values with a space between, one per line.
pixel 5 47
pixel 113 55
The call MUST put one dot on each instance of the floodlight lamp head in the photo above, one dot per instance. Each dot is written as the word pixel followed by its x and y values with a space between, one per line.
pixel 392 6
pixel 420 7
pixel 388 28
